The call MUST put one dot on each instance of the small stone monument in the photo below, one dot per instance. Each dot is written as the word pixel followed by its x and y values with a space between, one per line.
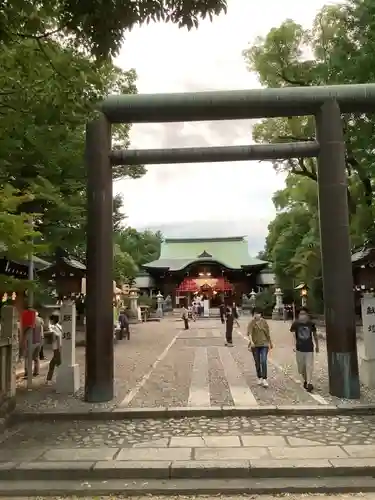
pixel 277 312
pixel 160 302
pixel 367 366
pixel 9 347
pixel 67 377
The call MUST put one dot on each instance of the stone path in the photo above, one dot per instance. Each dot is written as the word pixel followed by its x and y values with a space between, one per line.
pixel 289 430
pixel 165 366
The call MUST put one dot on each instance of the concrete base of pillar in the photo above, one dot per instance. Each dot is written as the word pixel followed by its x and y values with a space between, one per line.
pixel 68 380
pixel 367 372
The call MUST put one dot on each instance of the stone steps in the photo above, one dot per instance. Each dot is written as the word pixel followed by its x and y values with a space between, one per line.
pixel 192 469
pixel 249 486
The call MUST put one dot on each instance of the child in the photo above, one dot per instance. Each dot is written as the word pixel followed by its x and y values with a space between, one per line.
pixel 56 330
pixel 259 342
pixel 306 336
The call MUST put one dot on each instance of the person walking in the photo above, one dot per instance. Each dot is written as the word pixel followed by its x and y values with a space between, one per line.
pixel 260 342
pixel 41 323
pixel 57 332
pixel 229 321
pixel 36 338
pixel 185 317
pixel 124 325
pixel 306 339
pixel 222 313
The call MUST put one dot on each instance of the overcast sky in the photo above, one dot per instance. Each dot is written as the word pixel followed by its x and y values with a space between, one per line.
pixel 220 199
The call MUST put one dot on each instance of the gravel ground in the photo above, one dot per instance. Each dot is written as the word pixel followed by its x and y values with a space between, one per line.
pixel 170 379
pixel 132 361
pixel 283 355
pixel 340 430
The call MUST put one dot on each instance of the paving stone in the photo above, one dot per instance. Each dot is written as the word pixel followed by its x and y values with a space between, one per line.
pixel 49 465
pixel 229 453
pixel 289 464
pixel 364 451
pixel 161 454
pixel 312 452
pixel 157 443
pixel 20 454
pixel 187 442
pixel 95 454
pixel 277 441
pixel 7 465
pixel 221 441
pixel 118 468
pixel 207 468
pixel 293 441
pixel 353 462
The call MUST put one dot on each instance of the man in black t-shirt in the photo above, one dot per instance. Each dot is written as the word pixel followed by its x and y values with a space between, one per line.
pixel 306 336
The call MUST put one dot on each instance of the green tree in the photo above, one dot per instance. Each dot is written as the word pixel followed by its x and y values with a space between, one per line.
pixel 47 102
pixel 125 269
pixel 96 26
pixel 337 49
pixel 143 246
pixel 16 232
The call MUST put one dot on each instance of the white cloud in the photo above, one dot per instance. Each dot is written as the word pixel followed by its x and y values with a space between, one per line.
pixel 168 59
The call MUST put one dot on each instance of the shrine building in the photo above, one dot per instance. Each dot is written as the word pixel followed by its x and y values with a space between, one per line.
pixel 216 269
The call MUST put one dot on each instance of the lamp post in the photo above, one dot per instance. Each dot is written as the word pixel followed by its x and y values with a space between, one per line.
pixel 304 297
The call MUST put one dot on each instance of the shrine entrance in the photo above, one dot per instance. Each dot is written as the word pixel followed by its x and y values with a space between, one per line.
pixel 215 290
pixel 324 103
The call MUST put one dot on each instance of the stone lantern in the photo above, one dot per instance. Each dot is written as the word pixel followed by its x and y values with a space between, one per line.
pixel 277 312
pixel 303 289
pixel 133 299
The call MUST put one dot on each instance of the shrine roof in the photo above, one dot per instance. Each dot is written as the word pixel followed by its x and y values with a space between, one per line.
pixel 178 253
pixel 38 262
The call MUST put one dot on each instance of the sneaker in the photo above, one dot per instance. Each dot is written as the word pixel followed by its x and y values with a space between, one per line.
pixel 265 383
pixel 48 382
pixel 305 385
pixel 260 381
pixel 309 388
pixel 229 344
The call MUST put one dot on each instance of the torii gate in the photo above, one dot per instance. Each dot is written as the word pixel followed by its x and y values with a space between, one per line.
pixel 326 104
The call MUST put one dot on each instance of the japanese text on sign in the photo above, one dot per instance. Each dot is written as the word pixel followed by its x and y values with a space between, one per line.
pixel 68 335
pixel 67 317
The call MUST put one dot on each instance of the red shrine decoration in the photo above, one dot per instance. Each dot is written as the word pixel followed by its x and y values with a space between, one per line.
pixel 196 284
pixel 28 318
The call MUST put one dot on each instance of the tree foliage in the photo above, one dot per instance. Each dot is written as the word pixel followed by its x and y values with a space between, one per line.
pixel 95 25
pixel 133 249
pixel 49 90
pixel 337 49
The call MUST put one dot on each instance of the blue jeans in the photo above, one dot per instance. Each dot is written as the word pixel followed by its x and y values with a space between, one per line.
pixel 260 355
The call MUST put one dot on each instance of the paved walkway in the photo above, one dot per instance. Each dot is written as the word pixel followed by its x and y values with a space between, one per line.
pixel 179 447
pixel 359 496
pixel 165 366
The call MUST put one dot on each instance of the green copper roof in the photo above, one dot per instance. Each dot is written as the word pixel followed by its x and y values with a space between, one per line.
pixel 178 253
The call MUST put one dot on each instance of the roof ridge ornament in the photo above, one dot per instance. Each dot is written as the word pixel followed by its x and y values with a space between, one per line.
pixel 204 254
